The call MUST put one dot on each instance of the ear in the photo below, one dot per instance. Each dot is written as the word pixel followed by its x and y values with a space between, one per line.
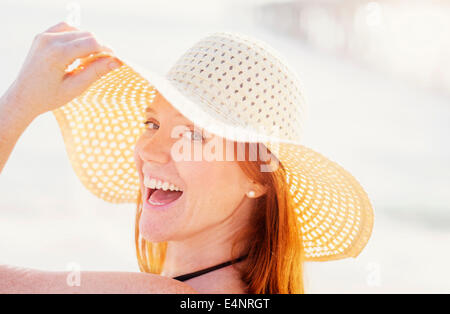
pixel 256 190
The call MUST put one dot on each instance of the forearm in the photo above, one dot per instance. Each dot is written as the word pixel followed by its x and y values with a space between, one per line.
pixel 13 121
pixel 22 280
pixel 15 280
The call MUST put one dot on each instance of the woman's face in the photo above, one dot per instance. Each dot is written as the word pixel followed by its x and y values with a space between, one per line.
pixel 213 192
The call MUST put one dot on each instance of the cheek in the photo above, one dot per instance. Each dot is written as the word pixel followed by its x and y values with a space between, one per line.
pixel 215 187
pixel 137 159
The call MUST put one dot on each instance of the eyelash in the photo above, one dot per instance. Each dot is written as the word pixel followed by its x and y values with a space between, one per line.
pixel 153 122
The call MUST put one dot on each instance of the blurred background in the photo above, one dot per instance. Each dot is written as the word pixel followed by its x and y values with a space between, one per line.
pixel 376 75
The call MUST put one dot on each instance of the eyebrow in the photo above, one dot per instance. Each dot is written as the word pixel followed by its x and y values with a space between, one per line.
pixel 150 109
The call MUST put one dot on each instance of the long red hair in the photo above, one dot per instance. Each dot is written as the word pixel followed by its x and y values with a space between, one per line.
pixel 275 250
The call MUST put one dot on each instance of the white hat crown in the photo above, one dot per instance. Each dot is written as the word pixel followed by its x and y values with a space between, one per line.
pixel 244 82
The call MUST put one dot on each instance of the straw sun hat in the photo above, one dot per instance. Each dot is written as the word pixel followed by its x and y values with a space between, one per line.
pixel 238 88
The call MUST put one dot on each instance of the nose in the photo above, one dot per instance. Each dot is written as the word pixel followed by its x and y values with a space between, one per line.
pixel 155 147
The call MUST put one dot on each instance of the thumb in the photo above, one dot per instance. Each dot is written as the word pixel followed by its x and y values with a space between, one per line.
pixel 91 73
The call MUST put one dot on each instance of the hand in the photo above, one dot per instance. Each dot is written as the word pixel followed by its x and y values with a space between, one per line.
pixel 43 83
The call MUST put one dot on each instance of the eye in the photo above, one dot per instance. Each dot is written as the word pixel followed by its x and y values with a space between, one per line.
pixel 150 124
pixel 189 134
pixel 195 136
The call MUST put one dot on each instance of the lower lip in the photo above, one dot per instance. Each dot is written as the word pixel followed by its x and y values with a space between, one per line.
pixel 148 205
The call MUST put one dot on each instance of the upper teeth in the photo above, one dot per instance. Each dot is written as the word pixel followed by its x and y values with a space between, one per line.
pixel 153 183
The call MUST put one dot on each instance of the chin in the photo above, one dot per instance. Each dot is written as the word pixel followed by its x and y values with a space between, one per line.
pixel 156 229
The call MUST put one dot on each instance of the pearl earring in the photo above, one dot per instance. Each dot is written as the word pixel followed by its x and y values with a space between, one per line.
pixel 251 193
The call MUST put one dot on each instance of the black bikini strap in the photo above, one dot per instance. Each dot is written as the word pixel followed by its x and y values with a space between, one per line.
pixel 207 270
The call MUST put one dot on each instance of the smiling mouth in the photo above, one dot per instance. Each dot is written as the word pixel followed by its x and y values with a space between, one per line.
pixel 159 197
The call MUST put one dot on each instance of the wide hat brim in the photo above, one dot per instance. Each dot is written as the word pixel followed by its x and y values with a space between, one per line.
pixel 101 126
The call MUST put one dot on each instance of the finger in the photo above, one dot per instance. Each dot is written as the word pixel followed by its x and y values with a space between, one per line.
pixel 80 63
pixel 61 27
pixel 83 47
pixel 81 80
pixel 71 35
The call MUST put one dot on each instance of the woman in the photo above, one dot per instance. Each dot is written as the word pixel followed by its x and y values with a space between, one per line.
pixel 205 222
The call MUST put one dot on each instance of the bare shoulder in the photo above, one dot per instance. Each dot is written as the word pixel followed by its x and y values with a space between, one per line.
pixel 127 282
pixel 24 280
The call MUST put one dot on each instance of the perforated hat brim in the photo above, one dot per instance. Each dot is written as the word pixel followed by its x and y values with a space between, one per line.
pixel 101 126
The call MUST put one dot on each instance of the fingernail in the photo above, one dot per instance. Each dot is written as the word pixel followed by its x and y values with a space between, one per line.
pixel 113 65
